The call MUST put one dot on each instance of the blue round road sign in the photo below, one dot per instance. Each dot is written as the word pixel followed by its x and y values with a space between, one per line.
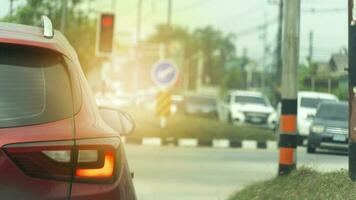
pixel 164 73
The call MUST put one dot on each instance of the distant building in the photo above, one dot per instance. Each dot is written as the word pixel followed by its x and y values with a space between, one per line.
pixel 329 76
pixel 338 64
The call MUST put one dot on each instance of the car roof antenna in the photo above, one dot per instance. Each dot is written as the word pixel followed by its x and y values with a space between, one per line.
pixel 48 31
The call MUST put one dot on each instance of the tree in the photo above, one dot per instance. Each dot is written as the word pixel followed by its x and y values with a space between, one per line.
pixel 80 31
pixel 218 49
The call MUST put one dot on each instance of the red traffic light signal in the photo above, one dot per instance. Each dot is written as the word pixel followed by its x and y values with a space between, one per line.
pixel 105 37
pixel 107 21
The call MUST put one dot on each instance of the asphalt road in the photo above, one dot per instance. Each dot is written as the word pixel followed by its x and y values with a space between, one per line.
pixel 172 173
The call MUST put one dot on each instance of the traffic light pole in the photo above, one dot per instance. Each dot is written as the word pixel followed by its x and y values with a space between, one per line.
pixel 290 60
pixel 352 89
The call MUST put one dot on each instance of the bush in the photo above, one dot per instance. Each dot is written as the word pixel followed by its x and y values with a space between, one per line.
pixel 303 183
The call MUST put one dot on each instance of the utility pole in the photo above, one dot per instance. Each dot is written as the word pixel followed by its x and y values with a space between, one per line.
pixel 290 49
pixel 279 50
pixel 169 13
pixel 248 77
pixel 311 46
pixel 138 24
pixel 64 16
pixel 310 58
pixel 137 50
pixel 199 79
pixel 11 7
pixel 352 88
pixel 265 50
pixel 169 28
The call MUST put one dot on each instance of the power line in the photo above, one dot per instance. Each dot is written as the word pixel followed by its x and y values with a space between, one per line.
pixel 326 10
pixel 257 27
pixel 250 10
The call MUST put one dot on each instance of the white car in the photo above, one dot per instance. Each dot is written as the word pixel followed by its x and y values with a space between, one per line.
pixel 240 107
pixel 307 106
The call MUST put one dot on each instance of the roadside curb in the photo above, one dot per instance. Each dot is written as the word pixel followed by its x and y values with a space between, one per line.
pixel 193 142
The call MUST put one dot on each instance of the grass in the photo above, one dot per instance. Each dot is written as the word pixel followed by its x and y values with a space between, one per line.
pixel 183 126
pixel 303 184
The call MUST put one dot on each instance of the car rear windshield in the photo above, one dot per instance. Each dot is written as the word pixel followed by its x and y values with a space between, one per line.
pixel 34 86
pixel 338 112
pixel 250 100
pixel 312 102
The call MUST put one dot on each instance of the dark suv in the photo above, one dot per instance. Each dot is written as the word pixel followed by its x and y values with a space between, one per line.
pixel 54 141
pixel 329 129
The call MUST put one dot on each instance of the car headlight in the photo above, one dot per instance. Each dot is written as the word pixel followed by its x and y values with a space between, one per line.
pixel 317 129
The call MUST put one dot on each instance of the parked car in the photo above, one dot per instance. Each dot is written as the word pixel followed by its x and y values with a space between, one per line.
pixel 240 107
pixel 329 129
pixel 54 141
pixel 200 105
pixel 307 106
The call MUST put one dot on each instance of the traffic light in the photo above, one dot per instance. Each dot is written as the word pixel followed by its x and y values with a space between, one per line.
pixel 105 36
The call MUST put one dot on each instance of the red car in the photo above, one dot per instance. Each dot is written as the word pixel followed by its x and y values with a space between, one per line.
pixel 54 141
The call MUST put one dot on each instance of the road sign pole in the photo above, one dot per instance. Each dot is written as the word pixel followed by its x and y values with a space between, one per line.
pixel 288 128
pixel 164 74
pixel 352 89
pixel 163 122
pixel 163 106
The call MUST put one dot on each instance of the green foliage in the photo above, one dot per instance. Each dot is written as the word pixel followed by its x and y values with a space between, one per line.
pixel 234 79
pixel 303 73
pixel 187 126
pixel 341 92
pixel 217 48
pixel 80 27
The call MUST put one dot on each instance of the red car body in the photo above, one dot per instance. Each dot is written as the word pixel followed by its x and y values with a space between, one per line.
pixel 25 171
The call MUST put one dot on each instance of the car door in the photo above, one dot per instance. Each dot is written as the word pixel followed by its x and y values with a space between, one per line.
pixel 36 124
pixel 101 170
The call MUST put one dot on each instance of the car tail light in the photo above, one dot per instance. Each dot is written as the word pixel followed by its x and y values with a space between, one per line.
pixel 46 160
pixel 104 170
pixel 87 161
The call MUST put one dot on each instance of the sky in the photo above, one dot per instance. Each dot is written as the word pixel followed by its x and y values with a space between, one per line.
pixel 328 23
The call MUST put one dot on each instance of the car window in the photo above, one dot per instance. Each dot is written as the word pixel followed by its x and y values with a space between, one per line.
pixel 312 102
pixel 34 86
pixel 250 100
pixel 333 112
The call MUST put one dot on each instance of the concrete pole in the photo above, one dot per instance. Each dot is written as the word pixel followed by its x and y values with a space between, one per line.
pixel 64 16
pixel 137 50
pixel 311 46
pixel 199 79
pixel 290 60
pixel 279 48
pixel 138 24
pixel 169 27
pixel 265 51
pixel 352 89
pixel 11 7
pixel 169 13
